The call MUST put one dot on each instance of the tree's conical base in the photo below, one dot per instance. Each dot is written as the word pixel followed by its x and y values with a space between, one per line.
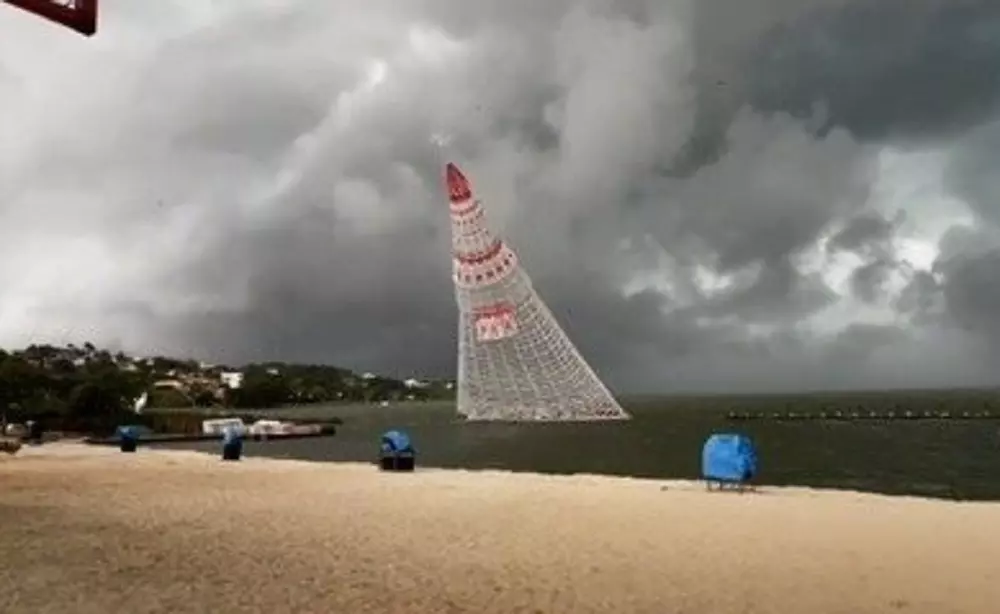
pixel 533 375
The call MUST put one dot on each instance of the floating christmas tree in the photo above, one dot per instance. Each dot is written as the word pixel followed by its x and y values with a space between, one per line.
pixel 515 362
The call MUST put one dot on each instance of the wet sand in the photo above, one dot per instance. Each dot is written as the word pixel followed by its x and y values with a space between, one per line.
pixel 90 530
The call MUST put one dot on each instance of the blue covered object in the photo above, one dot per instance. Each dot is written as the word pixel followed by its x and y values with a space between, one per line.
pixel 729 457
pixel 396 442
pixel 396 452
pixel 128 432
pixel 232 444
pixel 232 435
pixel 128 438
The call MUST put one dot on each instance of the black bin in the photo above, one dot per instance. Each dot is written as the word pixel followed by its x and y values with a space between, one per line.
pixel 396 452
pixel 35 432
pixel 128 438
pixel 232 444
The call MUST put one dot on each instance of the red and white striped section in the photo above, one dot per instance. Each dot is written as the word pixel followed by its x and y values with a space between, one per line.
pixel 479 258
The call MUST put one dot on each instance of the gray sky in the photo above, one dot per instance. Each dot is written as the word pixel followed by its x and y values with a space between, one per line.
pixel 710 194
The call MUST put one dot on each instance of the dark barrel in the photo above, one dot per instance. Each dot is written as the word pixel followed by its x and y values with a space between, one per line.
pixel 396 452
pixel 128 438
pixel 232 444
pixel 35 431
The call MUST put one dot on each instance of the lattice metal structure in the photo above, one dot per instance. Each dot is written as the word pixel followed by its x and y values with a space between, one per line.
pixel 515 363
pixel 79 15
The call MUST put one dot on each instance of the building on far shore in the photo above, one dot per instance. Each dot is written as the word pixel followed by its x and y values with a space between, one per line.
pixel 231 379
pixel 165 384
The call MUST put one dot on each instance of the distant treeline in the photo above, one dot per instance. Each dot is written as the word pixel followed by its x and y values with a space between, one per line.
pixel 87 388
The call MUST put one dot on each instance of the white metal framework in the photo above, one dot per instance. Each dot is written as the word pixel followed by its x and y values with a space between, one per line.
pixel 515 362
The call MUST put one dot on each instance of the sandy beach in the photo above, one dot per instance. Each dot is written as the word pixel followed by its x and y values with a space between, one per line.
pixel 92 530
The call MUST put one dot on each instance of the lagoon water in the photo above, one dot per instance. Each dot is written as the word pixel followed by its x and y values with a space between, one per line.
pixel 950 459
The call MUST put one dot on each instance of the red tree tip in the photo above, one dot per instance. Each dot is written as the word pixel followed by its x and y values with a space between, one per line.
pixel 80 15
pixel 458 186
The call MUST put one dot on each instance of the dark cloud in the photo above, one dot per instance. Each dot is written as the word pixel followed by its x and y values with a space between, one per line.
pixel 906 70
pixel 920 295
pixel 696 188
pixel 972 291
pixel 850 354
pixel 779 293
pixel 868 280
pixel 889 68
pixel 861 232
pixel 972 172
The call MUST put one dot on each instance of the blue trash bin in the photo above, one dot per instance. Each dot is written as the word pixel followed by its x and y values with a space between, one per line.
pixel 728 459
pixel 232 444
pixel 128 438
pixel 396 452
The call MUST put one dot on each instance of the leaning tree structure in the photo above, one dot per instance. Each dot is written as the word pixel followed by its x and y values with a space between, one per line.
pixel 515 362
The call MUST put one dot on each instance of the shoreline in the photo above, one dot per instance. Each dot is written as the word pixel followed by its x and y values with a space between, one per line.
pixel 80 450
pixel 940 492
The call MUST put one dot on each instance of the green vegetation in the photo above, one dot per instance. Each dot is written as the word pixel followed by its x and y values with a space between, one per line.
pixel 84 388
pixel 279 384
pixel 81 387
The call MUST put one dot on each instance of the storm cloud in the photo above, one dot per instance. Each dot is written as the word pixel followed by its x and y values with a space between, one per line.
pixel 711 194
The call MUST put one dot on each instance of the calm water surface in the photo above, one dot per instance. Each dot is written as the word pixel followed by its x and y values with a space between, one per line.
pixel 958 459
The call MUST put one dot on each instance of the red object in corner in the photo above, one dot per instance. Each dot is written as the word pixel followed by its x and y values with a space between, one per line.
pixel 458 186
pixel 80 16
